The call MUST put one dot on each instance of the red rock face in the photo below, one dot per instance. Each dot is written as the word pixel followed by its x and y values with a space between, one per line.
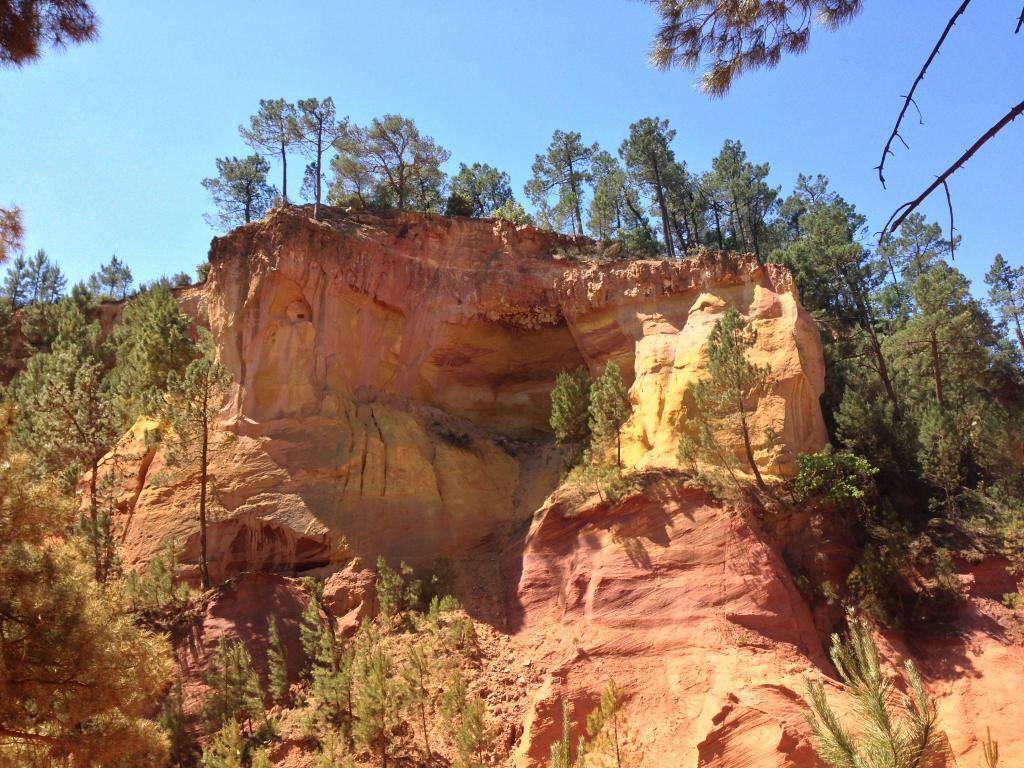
pixel 392 394
pixel 683 604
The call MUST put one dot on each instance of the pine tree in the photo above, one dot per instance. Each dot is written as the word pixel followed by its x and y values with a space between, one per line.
pixel 564 168
pixel 271 132
pixel 1006 294
pixel 453 703
pixel 151 340
pixel 609 409
pixel 604 726
pixel 227 750
pixel 561 750
pixel 397 591
pixel 417 674
pixel 277 667
pixel 317 128
pixel 570 411
pixel 240 190
pixel 890 729
pixel 389 164
pixel 12 232
pixel 113 281
pixel 332 683
pixel 235 694
pixel 732 382
pixel 156 591
pixel 172 722
pixel 311 629
pixel 474 738
pixel 483 187
pixel 649 160
pixel 192 404
pixel 86 674
pixel 68 419
pixel 376 704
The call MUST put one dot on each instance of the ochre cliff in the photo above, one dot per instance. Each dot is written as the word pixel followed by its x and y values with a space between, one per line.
pixel 392 380
pixel 393 376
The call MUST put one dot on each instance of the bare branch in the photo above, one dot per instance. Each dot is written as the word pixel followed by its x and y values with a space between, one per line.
pixel 952 237
pixel 909 98
pixel 1020 21
pixel 901 213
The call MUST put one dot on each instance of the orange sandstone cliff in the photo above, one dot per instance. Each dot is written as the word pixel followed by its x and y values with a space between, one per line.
pixel 392 395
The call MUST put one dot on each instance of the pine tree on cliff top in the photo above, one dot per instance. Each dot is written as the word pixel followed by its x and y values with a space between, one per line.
pixel 733 380
pixel 272 131
pixel 192 404
pixel 609 409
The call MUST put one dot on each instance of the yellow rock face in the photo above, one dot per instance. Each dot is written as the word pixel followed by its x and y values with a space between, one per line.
pixel 393 376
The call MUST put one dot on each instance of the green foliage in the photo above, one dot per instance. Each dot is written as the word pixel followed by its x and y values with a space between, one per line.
pixel 570 411
pixel 842 477
pixel 377 702
pixel 482 187
pixel 1006 294
pixel 277 667
pixel 388 164
pixel 113 281
pixel 151 341
pixel 1013 600
pixel 172 723
pixel 271 132
pixel 512 212
pixel 605 728
pixel 317 128
pixel 311 629
pixel 889 728
pixel 235 695
pixel 563 169
pixel 417 676
pixel 156 592
pixel 190 408
pixel 453 702
pixel 397 591
pixel 60 626
pixel 240 191
pixel 722 400
pixel 227 750
pixel 608 410
pixel 561 749
pixel 757 36
pixel 593 476
pixel 649 161
pixel 474 738
pixel 332 683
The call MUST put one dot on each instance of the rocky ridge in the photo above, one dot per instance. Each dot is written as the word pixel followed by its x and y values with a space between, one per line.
pixel 392 382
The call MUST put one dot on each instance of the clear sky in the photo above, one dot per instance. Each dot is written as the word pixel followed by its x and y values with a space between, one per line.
pixel 104 146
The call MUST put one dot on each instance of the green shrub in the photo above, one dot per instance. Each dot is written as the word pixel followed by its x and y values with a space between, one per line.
pixel 842 477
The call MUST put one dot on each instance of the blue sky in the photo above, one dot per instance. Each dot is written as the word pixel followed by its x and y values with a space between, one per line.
pixel 104 146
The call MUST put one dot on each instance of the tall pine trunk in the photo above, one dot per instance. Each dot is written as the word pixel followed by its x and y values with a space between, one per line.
pixel 933 344
pixel 319 160
pixel 664 208
pixel 204 567
pixel 94 521
pixel 284 175
pixel 750 450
